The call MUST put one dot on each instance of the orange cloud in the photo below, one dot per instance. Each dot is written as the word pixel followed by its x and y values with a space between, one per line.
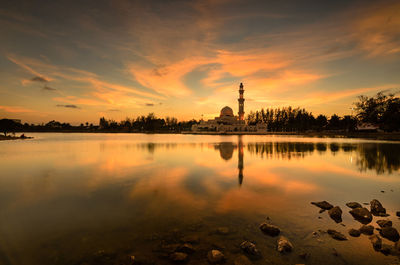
pixel 16 109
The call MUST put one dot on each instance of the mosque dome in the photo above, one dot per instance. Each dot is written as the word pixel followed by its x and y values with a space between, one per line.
pixel 226 111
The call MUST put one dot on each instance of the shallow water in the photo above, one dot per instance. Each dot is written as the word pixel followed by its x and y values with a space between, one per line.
pixel 99 198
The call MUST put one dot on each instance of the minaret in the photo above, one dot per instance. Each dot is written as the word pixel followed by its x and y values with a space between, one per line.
pixel 241 103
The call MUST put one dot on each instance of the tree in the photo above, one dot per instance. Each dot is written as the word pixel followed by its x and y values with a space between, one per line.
pixel 7 126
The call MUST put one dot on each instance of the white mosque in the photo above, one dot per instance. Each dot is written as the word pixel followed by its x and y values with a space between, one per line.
pixel 228 122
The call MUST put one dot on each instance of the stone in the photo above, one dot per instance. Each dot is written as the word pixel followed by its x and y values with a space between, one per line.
pixel 367 229
pixel 336 214
pixel 249 248
pixel 376 242
pixel 269 229
pixel 386 249
pixel 390 233
pixel 353 205
pixel 362 215
pixel 215 256
pixel 323 205
pixel 223 230
pixel 354 232
pixel 178 257
pixel 336 235
pixel 242 260
pixel 377 208
pixel 398 213
pixel 284 245
pixel 185 248
pixel 384 223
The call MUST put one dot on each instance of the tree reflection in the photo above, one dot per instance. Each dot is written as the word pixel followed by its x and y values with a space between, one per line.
pixel 383 157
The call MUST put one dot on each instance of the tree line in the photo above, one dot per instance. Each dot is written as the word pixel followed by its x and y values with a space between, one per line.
pixel 381 110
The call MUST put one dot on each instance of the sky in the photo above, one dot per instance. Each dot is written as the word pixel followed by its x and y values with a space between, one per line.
pixel 78 61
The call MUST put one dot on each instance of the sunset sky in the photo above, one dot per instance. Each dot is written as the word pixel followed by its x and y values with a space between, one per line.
pixel 76 62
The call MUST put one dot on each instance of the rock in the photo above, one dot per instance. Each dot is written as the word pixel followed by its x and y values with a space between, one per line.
pixel 362 215
pixel 384 223
pixel 178 257
pixel 353 205
pixel 377 208
pixel 249 248
pixel 354 232
pixel 386 249
pixel 242 260
pixel 398 213
pixel 336 214
pixel 390 233
pixel 284 244
pixel 215 256
pixel 269 229
pixel 223 230
pixel 321 211
pixel 376 242
pixel 367 229
pixel 336 235
pixel 185 248
pixel 323 205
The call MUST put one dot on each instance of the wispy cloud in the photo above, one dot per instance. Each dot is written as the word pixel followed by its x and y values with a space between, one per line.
pixel 69 106
pixel 16 109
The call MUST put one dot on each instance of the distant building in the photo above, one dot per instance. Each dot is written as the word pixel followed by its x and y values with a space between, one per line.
pixel 228 122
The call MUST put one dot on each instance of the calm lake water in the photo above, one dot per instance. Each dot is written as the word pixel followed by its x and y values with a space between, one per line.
pixel 99 198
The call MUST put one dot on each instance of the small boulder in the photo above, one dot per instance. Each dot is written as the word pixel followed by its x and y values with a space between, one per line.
pixel 242 260
pixel 354 232
pixel 377 208
pixel 336 214
pixel 384 223
pixel 362 215
pixel 390 233
pixel 376 242
pixel 367 229
pixel 269 229
pixel 336 235
pixel 178 257
pixel 353 205
pixel 284 244
pixel 398 213
pixel 215 256
pixel 323 205
pixel 386 249
pixel 249 248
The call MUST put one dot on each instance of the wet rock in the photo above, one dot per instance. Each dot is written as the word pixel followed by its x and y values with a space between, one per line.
pixel 178 257
pixel 367 229
pixel 376 242
pixel 284 245
pixel 269 229
pixel 398 213
pixel 336 235
pixel 354 232
pixel 390 233
pixel 323 205
pixel 242 260
pixel 215 256
pixel 249 248
pixel 223 230
pixel 377 208
pixel 384 223
pixel 185 248
pixel 336 214
pixel 353 205
pixel 362 215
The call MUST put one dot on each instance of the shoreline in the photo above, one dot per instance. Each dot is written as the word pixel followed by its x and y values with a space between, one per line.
pixel 9 137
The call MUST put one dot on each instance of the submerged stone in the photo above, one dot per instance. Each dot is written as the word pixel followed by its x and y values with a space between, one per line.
pixel 336 235
pixel 336 214
pixel 354 232
pixel 362 215
pixel 323 205
pixel 367 229
pixel 390 233
pixel 284 245
pixel 215 256
pixel 376 242
pixel 269 229
pixel 377 208
pixel 353 205
pixel 384 223
pixel 249 248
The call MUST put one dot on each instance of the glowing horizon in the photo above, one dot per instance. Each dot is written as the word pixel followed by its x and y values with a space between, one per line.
pixel 78 62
